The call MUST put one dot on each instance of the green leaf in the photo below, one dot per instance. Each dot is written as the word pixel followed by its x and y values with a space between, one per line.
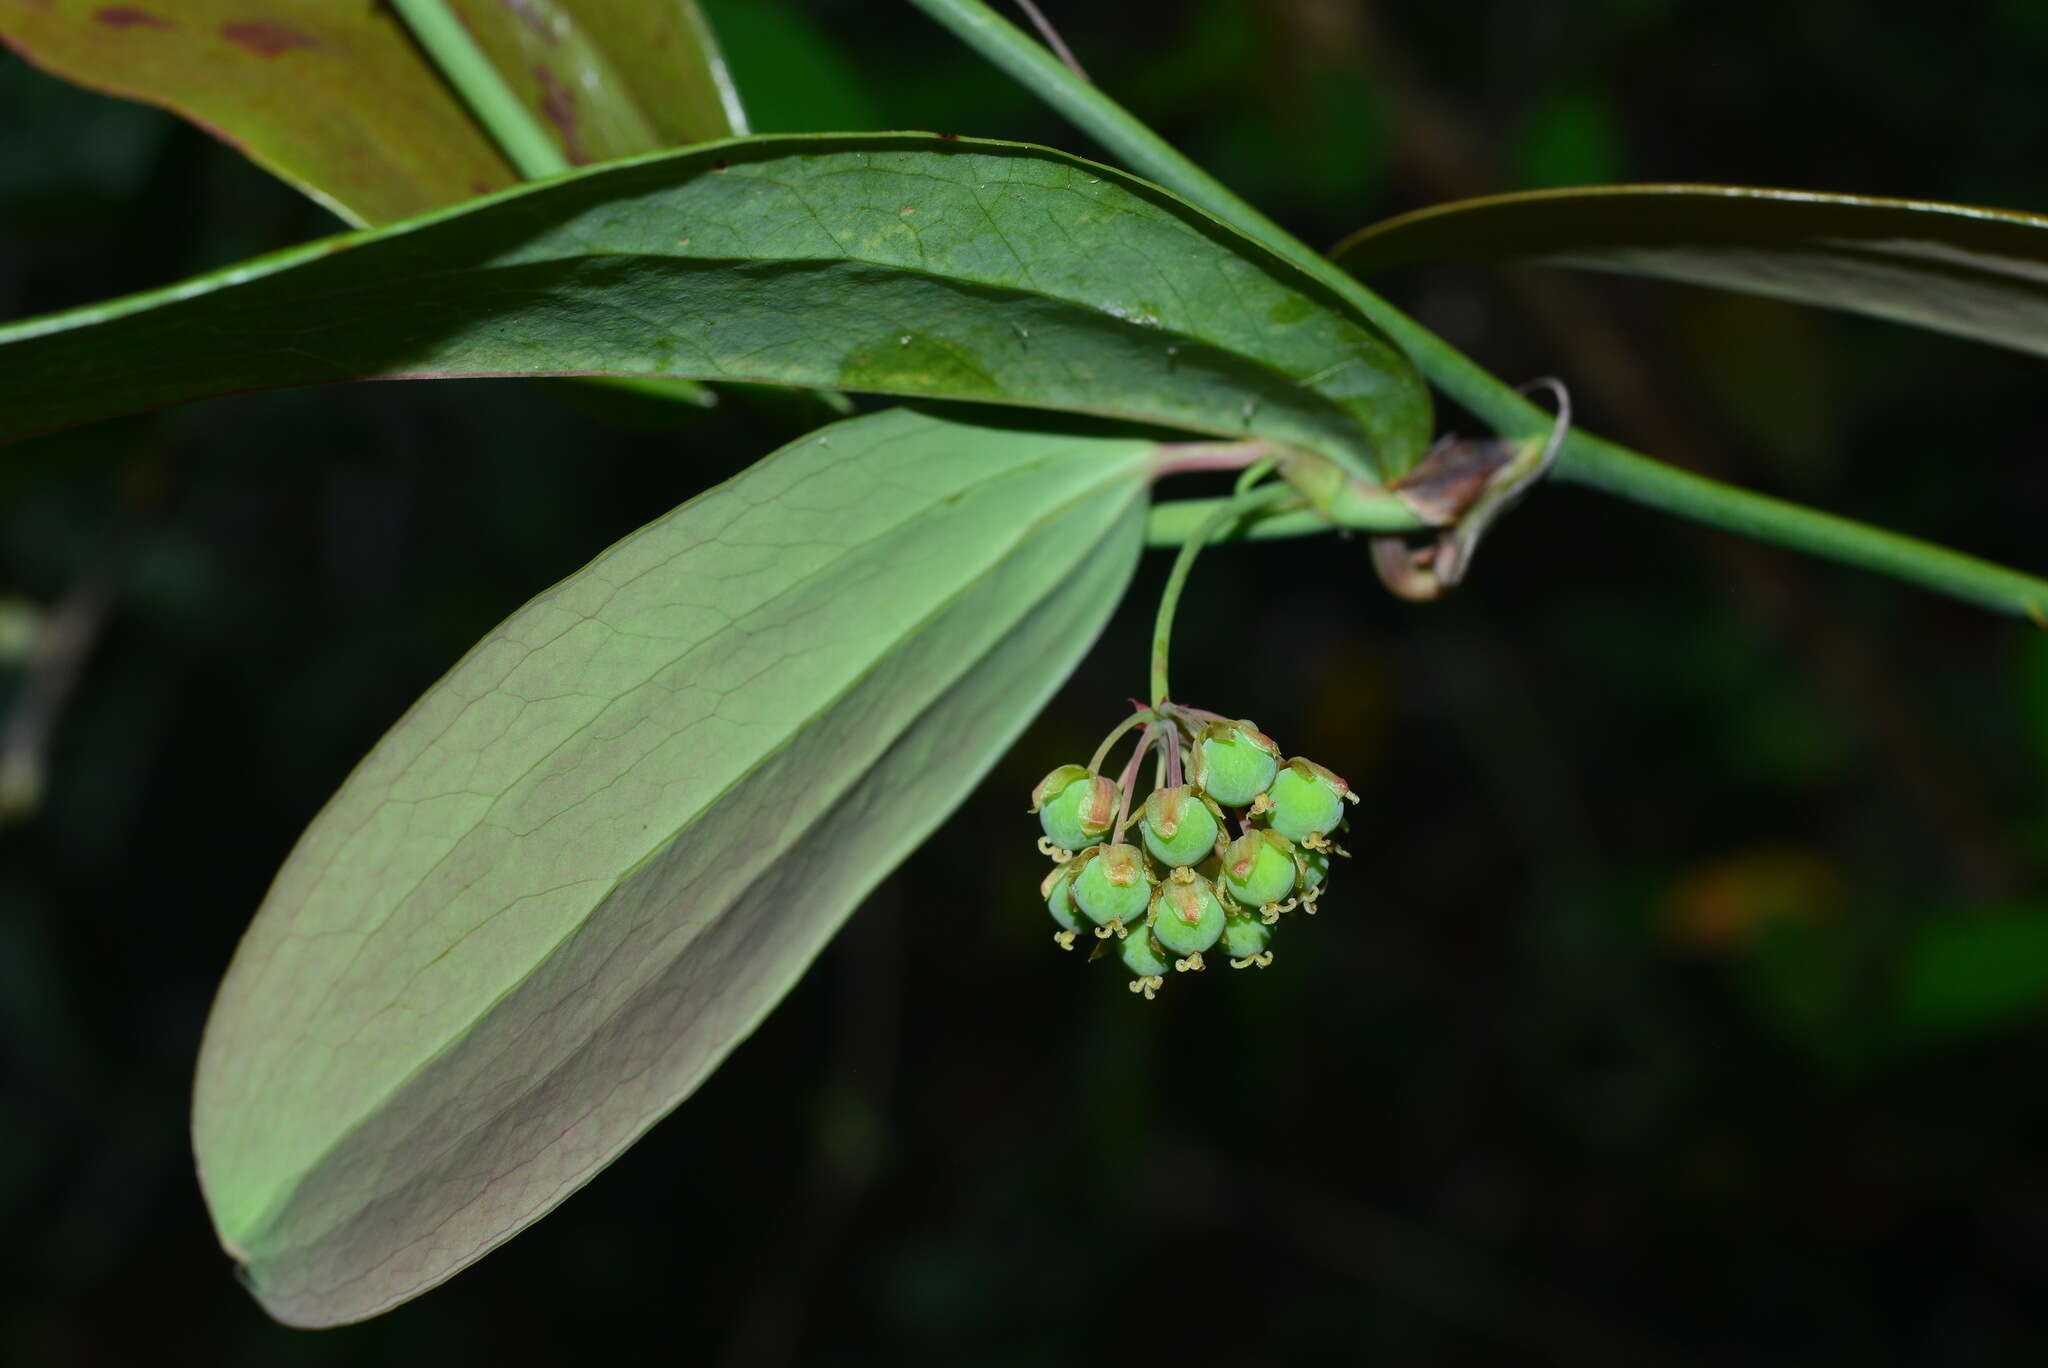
pixel 1972 976
pixel 895 263
pixel 333 98
pixel 610 79
pixel 1979 273
pixel 797 77
pixel 2033 681
pixel 337 100
pixel 584 866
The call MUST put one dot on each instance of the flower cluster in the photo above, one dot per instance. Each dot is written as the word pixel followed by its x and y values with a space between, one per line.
pixel 1187 884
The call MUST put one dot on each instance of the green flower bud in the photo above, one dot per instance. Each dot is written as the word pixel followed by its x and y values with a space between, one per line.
pixel 1057 890
pixel 1245 940
pixel 1259 868
pixel 1235 762
pixel 1308 802
pixel 1076 808
pixel 1187 919
pixel 1112 885
pixel 1179 827
pixel 1315 873
pixel 1143 957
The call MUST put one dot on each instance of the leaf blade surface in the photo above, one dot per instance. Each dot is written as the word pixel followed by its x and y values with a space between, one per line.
pixel 337 100
pixel 610 80
pixel 902 264
pixel 1973 272
pixel 587 862
pixel 332 98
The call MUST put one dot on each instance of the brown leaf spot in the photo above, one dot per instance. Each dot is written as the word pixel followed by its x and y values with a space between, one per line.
pixel 127 16
pixel 263 38
pixel 558 103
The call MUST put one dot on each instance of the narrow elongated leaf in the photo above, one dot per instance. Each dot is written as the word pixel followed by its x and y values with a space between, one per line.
pixel 590 859
pixel 336 99
pixel 1980 273
pixel 331 97
pixel 898 263
pixel 610 78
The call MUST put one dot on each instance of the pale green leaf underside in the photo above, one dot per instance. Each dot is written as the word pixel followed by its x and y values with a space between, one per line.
pixel 1979 273
pixel 896 263
pixel 591 858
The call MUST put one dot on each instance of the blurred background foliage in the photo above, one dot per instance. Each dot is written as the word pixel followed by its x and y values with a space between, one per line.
pixel 1685 1002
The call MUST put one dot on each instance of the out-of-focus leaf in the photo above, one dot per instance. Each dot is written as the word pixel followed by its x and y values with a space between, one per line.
pixel 590 859
pixel 1573 137
pixel 610 78
pixel 2034 693
pixel 1973 975
pixel 796 77
pixel 332 97
pixel 1980 273
pixel 896 263
pixel 1727 904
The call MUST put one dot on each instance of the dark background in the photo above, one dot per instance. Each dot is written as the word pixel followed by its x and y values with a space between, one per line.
pixel 1684 1002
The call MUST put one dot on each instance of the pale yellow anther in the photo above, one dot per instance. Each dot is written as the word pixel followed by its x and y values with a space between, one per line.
pixel 1261 803
pixel 1057 854
pixel 1270 913
pixel 1191 965
pixel 1349 796
pixel 1116 924
pixel 1104 932
pixel 1316 840
pixel 1063 939
pixel 1182 874
pixel 1148 985
pixel 1260 960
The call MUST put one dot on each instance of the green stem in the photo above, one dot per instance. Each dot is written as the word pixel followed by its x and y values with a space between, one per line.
pixel 1173 522
pixel 1615 469
pixel 1585 459
pixel 1224 512
pixel 525 143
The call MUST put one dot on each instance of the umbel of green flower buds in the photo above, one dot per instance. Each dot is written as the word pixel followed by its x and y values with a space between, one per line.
pixel 1230 838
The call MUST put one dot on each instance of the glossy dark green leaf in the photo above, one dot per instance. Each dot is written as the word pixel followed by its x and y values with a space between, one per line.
pixel 897 263
pixel 583 867
pixel 1979 273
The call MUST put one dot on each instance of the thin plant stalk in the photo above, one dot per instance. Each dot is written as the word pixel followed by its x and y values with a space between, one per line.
pixel 1584 459
pixel 494 103
pixel 1228 511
